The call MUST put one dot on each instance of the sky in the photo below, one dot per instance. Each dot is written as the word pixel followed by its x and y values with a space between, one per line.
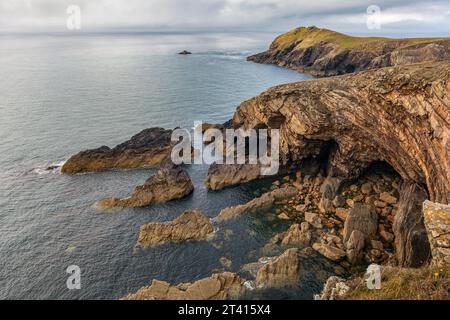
pixel 396 17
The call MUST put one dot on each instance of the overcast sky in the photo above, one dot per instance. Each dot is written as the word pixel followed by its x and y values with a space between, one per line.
pixel 398 17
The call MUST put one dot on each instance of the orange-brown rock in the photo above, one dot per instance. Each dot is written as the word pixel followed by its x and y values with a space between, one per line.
pixel 191 225
pixel 148 148
pixel 219 286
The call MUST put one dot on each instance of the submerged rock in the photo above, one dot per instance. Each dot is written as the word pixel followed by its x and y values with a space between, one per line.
pixel 220 286
pixel 168 183
pixel 264 202
pixel 148 148
pixel 191 225
pixel 185 52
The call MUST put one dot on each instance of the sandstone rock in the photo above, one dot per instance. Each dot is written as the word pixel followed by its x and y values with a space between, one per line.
pixel 386 236
pixel 297 236
pixel 313 219
pixel 437 223
pixel 330 252
pixel 283 216
pixel 219 286
pixel 355 111
pixel 191 225
pixel 350 203
pixel 342 213
pixel 327 53
pixel 227 175
pixel 411 240
pixel 168 183
pixel 379 204
pixel 264 202
pixel 377 245
pixel 367 188
pixel 355 246
pixel 388 198
pixel 148 148
pixel 363 219
pixel 281 271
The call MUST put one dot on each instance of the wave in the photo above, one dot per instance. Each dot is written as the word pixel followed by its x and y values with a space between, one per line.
pixel 51 168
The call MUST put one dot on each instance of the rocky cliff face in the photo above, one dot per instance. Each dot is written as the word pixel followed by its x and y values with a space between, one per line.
pixel 399 115
pixel 326 53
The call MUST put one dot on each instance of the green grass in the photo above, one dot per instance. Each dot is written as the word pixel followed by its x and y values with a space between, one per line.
pixel 311 36
pixel 426 283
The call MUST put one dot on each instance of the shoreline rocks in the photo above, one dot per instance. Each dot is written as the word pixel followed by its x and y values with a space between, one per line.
pixel 227 175
pixel 191 225
pixel 264 202
pixel 220 286
pixel 150 147
pixel 170 182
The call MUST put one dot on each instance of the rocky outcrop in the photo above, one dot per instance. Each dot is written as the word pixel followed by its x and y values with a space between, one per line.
pixel 437 223
pixel 228 175
pixel 334 289
pixel 398 115
pixel 326 53
pixel 170 182
pixel 280 271
pixel 264 202
pixel 148 148
pixel 411 242
pixel 220 286
pixel 191 225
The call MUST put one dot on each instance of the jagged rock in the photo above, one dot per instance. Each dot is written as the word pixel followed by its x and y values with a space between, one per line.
pixel 342 213
pixel 191 225
pixel 148 148
pixel 170 182
pixel 333 289
pixel 363 219
pixel 298 235
pixel 411 241
pixel 280 271
pixel 437 223
pixel 226 263
pixel 264 202
pixel 325 52
pixel 355 246
pixel 313 219
pixel 227 175
pixel 397 115
pixel 330 252
pixel 219 286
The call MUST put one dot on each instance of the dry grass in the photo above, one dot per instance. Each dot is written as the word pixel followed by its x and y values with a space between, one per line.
pixel 426 283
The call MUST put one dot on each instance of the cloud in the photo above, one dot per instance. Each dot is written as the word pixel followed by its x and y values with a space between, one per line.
pixel 263 15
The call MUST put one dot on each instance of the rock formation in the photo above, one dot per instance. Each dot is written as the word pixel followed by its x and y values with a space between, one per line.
pixel 220 286
pixel 326 53
pixel 227 175
pixel 398 115
pixel 191 225
pixel 264 202
pixel 437 223
pixel 148 148
pixel 280 271
pixel 170 182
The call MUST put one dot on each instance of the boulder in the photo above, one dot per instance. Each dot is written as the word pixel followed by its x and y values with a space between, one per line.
pixel 298 235
pixel 355 246
pixel 330 252
pixel 227 175
pixel 412 247
pixel 363 219
pixel 191 225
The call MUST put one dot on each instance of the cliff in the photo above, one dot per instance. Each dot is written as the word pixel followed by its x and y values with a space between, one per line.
pixel 326 53
pixel 399 115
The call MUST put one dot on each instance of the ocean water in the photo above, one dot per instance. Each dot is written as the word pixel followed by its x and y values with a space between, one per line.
pixel 60 94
